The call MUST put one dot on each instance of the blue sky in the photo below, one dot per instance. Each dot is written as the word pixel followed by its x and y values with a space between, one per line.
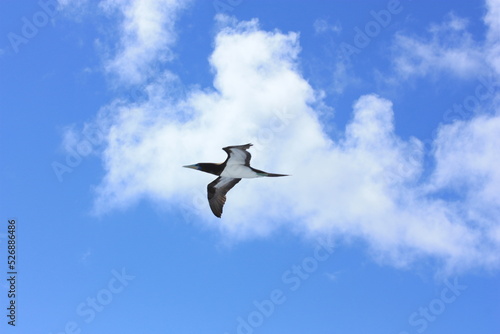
pixel 385 113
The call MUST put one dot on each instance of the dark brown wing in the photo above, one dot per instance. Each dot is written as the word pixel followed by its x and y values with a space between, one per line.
pixel 238 154
pixel 217 191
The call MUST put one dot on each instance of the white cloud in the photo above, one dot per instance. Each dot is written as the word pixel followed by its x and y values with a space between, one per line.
pixel 146 34
pixel 467 157
pixel 368 185
pixel 69 3
pixel 492 19
pixel 64 4
pixel 449 48
pixel 76 10
pixel 322 26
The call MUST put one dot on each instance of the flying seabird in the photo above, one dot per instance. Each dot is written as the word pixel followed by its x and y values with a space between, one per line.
pixel 230 172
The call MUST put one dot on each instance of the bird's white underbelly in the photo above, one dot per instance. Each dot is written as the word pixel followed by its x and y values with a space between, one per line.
pixel 238 172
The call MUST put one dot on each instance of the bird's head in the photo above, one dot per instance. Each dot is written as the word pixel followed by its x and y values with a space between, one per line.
pixel 206 167
pixel 195 166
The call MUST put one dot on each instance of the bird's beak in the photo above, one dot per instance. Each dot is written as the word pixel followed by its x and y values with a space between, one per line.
pixel 191 166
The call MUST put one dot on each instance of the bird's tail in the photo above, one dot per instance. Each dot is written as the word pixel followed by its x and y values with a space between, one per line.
pixel 262 173
pixel 270 174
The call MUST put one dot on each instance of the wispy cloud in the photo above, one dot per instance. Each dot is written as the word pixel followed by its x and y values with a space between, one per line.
pixel 84 258
pixel 466 154
pixel 493 37
pixel 368 185
pixel 491 20
pixel 449 48
pixel 333 276
pixel 323 26
pixel 146 33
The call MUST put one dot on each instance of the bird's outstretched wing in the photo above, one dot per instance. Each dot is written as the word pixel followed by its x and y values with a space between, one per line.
pixel 238 155
pixel 217 191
